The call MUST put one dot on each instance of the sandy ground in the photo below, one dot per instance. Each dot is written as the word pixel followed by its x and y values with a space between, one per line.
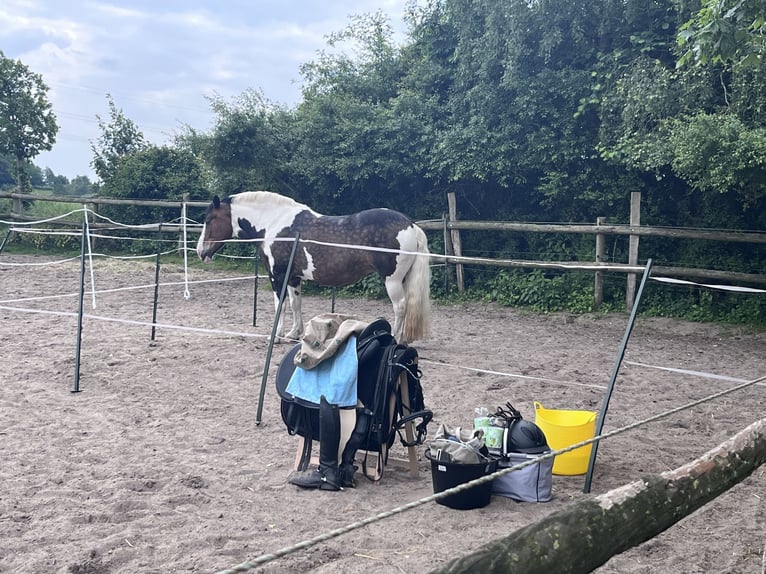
pixel 157 465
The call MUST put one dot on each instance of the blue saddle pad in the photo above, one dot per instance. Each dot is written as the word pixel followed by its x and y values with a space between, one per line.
pixel 335 378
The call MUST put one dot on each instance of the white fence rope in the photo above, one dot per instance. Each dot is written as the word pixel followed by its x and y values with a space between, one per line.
pixel 700 374
pixel 129 288
pixel 39 221
pixel 187 294
pixel 735 288
pixel 86 230
pixel 512 375
pixel 135 322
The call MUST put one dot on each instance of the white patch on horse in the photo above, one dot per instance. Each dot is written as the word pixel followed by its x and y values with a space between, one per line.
pixel 308 272
pixel 267 252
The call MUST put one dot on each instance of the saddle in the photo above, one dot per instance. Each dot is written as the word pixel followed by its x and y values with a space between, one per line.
pixel 383 409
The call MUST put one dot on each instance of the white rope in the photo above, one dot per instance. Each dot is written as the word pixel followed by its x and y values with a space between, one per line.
pixel 48 220
pixel 119 238
pixel 513 375
pixel 126 225
pixel 187 293
pixel 735 288
pixel 702 374
pixel 129 288
pixel 86 230
pixel 43 264
pixel 134 322
pixel 132 257
pixel 46 232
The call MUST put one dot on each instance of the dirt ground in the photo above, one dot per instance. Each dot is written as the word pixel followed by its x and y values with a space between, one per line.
pixel 158 465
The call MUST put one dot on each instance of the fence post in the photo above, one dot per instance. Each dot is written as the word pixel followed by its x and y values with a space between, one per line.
pixel 94 209
pixel 456 246
pixel 184 217
pixel 635 221
pixel 598 287
pixel 17 207
pixel 447 251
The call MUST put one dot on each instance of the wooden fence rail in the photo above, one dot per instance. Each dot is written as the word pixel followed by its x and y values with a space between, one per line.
pixel 579 228
pixel 451 228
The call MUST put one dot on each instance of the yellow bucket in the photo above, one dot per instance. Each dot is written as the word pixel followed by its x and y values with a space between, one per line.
pixel 563 428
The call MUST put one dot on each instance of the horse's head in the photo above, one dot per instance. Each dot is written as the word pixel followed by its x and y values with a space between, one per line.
pixel 216 229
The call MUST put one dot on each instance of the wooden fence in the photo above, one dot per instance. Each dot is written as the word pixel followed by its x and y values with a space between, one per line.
pixel 451 226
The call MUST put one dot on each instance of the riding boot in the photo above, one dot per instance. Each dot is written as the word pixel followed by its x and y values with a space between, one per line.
pixel 326 477
pixel 347 469
pixel 347 454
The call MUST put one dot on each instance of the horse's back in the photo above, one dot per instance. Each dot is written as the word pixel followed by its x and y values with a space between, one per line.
pixel 377 227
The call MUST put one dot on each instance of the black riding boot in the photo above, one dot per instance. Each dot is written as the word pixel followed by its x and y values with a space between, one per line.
pixel 347 468
pixel 327 476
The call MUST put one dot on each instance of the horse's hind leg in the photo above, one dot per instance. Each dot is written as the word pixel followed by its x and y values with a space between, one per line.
pixel 395 290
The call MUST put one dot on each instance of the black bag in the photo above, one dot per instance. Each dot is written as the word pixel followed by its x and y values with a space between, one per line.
pixel 383 413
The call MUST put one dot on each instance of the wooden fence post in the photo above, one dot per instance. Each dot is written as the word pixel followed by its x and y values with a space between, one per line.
pixel 635 221
pixel 94 219
pixel 456 246
pixel 181 246
pixel 598 287
pixel 447 252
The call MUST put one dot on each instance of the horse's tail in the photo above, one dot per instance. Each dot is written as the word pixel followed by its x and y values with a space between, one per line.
pixel 417 293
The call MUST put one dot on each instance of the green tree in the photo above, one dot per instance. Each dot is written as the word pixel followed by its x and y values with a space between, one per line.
pixel 157 173
pixel 360 135
pixel 248 147
pixel 6 171
pixel 119 139
pixel 80 186
pixel 725 32
pixel 27 123
pixel 58 183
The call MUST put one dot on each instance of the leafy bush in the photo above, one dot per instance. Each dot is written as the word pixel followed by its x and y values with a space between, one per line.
pixel 572 291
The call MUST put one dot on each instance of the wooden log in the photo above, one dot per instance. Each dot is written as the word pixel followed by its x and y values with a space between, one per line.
pixel 586 534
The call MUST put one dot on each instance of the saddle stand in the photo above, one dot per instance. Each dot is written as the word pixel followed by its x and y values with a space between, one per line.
pixel 388 373
pixel 376 461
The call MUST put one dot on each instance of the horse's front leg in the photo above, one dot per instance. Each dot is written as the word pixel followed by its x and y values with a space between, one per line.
pixel 279 318
pixel 294 299
pixel 395 290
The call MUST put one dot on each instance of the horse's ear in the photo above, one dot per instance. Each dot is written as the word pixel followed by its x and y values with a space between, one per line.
pixel 216 201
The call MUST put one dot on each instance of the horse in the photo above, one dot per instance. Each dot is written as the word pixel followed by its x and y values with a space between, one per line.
pixel 334 250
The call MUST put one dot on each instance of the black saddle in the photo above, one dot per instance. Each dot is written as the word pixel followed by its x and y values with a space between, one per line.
pixel 380 361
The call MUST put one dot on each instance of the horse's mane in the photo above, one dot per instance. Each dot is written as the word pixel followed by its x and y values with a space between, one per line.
pixel 263 197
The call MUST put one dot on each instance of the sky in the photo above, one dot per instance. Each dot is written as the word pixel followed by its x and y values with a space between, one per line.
pixel 160 59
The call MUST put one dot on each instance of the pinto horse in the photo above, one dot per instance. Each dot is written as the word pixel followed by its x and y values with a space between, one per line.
pixel 334 251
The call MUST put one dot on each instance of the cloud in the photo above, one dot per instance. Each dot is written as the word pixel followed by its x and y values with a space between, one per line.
pixel 159 60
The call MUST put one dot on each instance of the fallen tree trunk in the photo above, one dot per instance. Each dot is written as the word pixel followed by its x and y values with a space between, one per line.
pixel 585 535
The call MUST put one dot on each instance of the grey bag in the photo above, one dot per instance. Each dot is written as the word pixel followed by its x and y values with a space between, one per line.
pixel 533 483
pixel 458 445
